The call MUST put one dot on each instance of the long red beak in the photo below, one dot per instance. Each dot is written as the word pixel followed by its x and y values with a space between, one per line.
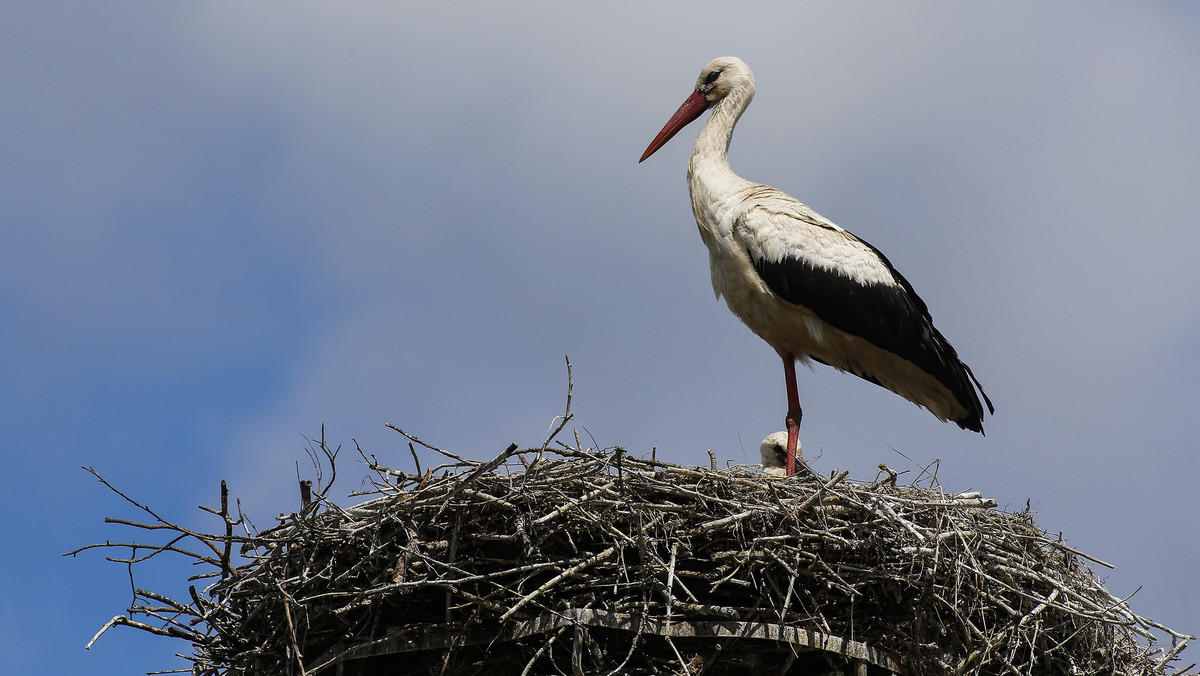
pixel 690 110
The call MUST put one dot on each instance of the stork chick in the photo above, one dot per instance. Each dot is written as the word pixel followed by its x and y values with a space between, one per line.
pixel 774 453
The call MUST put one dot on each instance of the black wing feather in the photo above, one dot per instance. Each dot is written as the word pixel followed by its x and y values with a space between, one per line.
pixel 891 317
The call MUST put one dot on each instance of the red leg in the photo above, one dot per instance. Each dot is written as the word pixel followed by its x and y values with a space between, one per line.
pixel 794 413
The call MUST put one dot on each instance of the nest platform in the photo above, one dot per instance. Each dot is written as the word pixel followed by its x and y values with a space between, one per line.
pixel 575 561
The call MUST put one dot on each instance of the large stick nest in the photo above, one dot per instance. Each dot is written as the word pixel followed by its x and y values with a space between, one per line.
pixel 566 561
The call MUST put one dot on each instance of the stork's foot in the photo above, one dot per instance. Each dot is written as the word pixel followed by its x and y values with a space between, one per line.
pixel 793 439
pixel 794 413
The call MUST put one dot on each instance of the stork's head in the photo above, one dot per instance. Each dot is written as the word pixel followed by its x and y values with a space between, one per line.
pixel 720 78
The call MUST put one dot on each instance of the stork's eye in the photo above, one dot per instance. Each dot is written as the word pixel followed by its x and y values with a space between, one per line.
pixel 712 77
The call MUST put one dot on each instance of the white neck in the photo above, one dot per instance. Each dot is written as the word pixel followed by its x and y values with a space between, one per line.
pixel 712 146
pixel 709 175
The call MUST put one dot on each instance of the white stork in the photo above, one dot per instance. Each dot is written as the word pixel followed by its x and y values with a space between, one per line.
pixel 812 290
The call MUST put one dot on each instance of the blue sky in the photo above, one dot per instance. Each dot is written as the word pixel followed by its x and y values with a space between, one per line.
pixel 225 226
